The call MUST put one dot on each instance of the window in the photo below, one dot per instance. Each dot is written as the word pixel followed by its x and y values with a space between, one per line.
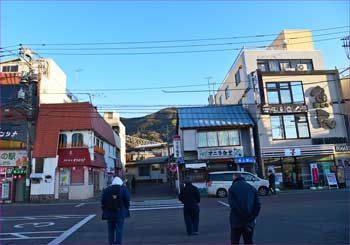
pixel 283 65
pixel 155 167
pixel 144 171
pixel 77 176
pixel 285 92
pixel 62 141
pixel 109 115
pixel 248 177
pixel 39 165
pixel 218 138
pixel 10 68
pixel 77 140
pixel 221 99
pixel 289 126
pixel 91 177
pixel 238 77
pixel 227 92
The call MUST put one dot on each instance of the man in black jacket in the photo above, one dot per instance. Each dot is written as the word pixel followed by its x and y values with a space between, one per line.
pixel 190 197
pixel 272 184
pixel 245 207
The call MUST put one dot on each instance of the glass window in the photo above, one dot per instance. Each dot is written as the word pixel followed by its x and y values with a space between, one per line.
pixel 274 65
pixel 289 127
pixel 217 177
pixel 238 77
pixel 77 140
pixel 62 141
pixel 223 138
pixel 212 139
pixel 144 171
pixel 277 128
pixel 285 93
pixel 297 92
pixel 39 165
pixel 228 177
pixel 155 167
pixel 77 176
pixel 263 65
pixel 309 64
pixel 285 65
pixel 233 136
pixel 227 92
pixel 202 139
pixel 303 128
pixel 248 177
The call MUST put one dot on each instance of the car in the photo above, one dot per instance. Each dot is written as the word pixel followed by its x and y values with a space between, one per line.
pixel 219 182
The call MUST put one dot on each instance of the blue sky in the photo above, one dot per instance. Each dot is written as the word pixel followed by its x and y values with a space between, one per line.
pixel 50 22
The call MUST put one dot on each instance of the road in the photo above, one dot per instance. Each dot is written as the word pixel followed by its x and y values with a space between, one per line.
pixel 290 218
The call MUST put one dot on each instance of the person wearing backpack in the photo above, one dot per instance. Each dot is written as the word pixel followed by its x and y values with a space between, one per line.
pixel 115 204
pixel 245 207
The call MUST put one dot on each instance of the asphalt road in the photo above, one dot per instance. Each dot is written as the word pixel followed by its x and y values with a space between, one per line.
pixel 289 218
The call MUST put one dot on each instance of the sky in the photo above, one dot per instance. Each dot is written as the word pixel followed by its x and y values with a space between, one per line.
pixel 137 23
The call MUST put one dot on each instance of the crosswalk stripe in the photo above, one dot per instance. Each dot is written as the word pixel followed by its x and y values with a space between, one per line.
pixel 156 204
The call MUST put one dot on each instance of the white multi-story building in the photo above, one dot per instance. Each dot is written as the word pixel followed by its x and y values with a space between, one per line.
pixel 296 106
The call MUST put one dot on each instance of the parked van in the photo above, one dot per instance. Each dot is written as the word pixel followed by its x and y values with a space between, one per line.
pixel 219 182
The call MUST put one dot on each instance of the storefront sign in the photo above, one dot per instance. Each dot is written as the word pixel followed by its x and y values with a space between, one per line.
pixel 314 173
pixel 13 131
pixel 195 165
pixel 177 146
pixel 291 152
pixel 242 160
pixel 342 148
pixel 5 190
pixel 322 116
pixel 73 157
pixel 215 153
pixel 13 158
pixel 331 179
pixel 293 108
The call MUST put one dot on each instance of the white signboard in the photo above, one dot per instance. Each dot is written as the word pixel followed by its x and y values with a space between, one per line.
pixel 10 158
pixel 331 179
pixel 177 146
pixel 292 152
pixel 217 153
pixel 5 190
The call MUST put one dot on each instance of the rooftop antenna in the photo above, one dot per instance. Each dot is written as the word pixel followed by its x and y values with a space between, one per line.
pixel 208 78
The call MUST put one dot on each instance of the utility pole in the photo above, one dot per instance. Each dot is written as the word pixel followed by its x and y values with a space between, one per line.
pixel 346 45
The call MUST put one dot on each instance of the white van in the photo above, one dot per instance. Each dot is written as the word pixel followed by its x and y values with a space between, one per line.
pixel 219 182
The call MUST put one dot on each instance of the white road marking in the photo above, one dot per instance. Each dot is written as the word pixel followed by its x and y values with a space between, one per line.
pixel 41 224
pixel 224 203
pixel 71 230
pixel 30 232
pixel 79 205
pixel 12 218
pixel 17 235
pixel 155 208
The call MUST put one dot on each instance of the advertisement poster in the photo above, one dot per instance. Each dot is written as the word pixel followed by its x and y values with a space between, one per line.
pixel 5 191
pixel 10 158
pixel 279 178
pixel 331 179
pixel 314 173
pixel 64 177
pixel 326 167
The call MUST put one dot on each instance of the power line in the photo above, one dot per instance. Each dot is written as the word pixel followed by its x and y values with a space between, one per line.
pixel 176 40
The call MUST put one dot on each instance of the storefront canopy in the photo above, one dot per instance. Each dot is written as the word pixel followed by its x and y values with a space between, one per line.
pixel 74 157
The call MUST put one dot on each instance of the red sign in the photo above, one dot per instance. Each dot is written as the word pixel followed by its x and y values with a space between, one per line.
pixel 73 157
pixel 314 173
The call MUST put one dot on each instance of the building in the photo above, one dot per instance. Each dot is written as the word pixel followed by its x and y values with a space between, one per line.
pixel 113 119
pixel 296 106
pixel 215 138
pixel 150 163
pixel 20 98
pixel 74 153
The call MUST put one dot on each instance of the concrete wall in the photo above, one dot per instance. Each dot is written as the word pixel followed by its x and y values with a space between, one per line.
pixel 293 40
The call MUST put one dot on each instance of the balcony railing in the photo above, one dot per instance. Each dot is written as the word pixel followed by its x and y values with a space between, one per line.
pixel 64 146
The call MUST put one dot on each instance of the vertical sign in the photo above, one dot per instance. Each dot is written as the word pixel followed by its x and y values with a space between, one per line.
pixel 177 146
pixel 314 173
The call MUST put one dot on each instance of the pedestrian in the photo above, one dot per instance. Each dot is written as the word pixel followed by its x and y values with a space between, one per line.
pixel 190 197
pixel 133 184
pixel 272 182
pixel 245 207
pixel 115 203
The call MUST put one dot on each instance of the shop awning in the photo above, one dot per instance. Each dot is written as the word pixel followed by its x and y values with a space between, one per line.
pixel 74 157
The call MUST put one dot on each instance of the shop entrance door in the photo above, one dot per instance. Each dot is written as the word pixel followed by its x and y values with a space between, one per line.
pixel 292 174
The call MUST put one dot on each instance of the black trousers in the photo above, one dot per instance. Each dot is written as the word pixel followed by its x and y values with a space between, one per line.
pixel 246 232
pixel 191 217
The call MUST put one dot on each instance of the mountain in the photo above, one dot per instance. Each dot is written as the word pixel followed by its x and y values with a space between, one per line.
pixel 153 126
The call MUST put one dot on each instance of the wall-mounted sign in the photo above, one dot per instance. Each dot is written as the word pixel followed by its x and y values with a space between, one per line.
pixel 13 131
pixel 320 103
pixel 291 152
pixel 13 158
pixel 218 153
pixel 314 173
pixel 293 108
pixel 342 148
pixel 177 146
pixel 5 190
pixel 242 160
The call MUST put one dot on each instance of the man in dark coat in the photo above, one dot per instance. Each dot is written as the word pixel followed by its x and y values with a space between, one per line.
pixel 190 197
pixel 272 183
pixel 115 206
pixel 245 207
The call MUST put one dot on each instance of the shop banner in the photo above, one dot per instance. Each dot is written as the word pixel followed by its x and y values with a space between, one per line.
pixel 10 158
pixel 13 131
pixel 326 168
pixel 5 190
pixel 314 173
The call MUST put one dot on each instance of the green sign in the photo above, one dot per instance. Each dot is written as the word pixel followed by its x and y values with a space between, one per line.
pixel 326 168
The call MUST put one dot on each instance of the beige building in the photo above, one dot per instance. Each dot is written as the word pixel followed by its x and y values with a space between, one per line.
pixel 296 106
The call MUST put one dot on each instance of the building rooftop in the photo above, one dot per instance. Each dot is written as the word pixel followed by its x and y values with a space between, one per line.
pixel 214 116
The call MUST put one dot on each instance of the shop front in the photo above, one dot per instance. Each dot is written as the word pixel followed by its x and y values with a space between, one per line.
pixel 301 167
pixel 342 155
pixel 12 175
pixel 79 176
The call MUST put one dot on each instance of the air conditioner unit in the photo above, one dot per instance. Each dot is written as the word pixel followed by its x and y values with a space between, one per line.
pixel 289 69
pixel 301 67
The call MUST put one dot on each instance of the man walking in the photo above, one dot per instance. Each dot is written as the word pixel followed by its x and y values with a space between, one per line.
pixel 115 205
pixel 272 182
pixel 245 207
pixel 190 197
